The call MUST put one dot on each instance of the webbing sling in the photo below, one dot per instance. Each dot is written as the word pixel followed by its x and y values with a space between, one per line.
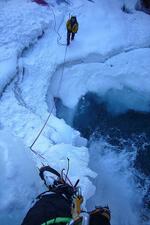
pixel 58 220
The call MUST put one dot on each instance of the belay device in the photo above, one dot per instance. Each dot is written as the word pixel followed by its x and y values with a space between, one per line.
pixel 62 185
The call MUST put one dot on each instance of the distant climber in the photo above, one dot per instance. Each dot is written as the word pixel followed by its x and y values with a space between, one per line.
pixel 61 204
pixel 72 28
pixel 41 2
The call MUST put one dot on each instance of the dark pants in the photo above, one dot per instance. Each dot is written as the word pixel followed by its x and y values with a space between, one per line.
pixel 70 36
pixel 48 207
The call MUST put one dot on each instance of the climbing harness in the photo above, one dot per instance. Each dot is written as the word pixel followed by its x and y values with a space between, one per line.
pixel 62 202
pixel 65 220
pixel 60 183
pixel 63 186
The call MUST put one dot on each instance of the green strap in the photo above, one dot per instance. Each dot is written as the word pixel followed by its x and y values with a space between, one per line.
pixel 58 220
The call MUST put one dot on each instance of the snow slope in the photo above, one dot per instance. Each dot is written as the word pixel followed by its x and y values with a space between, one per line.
pixel 19 180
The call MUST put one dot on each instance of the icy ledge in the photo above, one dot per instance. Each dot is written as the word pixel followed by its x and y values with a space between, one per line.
pixel 122 81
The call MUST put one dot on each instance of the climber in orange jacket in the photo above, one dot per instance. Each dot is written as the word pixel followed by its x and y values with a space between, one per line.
pixel 72 28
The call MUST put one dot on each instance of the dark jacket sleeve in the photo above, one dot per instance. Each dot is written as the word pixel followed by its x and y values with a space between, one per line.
pixel 48 207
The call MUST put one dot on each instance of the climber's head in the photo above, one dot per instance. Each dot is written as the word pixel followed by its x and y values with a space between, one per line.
pixel 73 19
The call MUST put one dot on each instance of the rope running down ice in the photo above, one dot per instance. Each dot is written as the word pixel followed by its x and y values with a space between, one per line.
pixel 53 103
pixel 61 77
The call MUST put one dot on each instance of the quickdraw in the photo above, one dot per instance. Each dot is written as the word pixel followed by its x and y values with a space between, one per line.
pixel 63 186
pixel 76 206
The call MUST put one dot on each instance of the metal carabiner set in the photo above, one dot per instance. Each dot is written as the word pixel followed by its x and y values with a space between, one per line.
pixel 83 219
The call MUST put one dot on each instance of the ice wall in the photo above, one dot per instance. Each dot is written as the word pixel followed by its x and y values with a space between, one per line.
pixel 19 180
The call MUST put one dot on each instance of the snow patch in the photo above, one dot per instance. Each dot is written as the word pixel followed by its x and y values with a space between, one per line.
pixel 7 71
pixel 19 179
pixel 19 29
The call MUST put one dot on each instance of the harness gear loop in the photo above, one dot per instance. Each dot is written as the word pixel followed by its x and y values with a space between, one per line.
pixel 57 220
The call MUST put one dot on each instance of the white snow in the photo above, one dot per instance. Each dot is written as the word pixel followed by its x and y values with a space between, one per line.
pixel 7 71
pixel 104 58
pixel 18 30
pixel 19 180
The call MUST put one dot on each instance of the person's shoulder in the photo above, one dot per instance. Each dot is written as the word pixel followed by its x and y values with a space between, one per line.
pixel 68 22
